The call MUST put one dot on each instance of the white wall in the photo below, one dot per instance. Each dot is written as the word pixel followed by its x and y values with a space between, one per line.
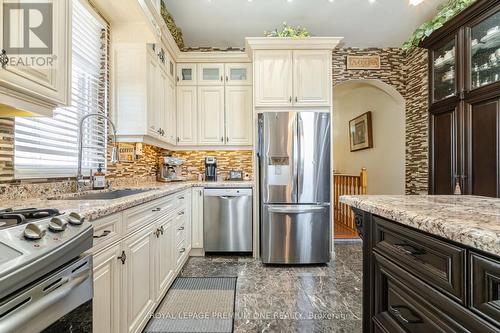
pixel 385 162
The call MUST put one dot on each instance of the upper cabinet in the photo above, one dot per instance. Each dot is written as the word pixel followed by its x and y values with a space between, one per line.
pixel 45 83
pixel 238 74
pixel 211 74
pixel 444 70
pixel 312 79
pixel 484 39
pixel 211 115
pixel 273 78
pixel 299 78
pixel 144 94
pixel 186 75
pixel 238 107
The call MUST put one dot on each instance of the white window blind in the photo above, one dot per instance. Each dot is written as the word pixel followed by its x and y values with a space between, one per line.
pixel 48 147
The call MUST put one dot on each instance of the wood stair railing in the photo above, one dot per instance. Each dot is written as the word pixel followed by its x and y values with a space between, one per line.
pixel 347 185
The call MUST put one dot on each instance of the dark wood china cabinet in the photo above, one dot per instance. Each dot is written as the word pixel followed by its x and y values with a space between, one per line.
pixel 464 99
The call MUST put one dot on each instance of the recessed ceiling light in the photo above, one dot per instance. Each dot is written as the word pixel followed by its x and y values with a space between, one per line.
pixel 416 2
pixel 372 1
pixel 288 0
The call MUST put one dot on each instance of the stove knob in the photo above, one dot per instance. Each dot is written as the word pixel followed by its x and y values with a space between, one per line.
pixel 33 231
pixel 75 219
pixel 58 224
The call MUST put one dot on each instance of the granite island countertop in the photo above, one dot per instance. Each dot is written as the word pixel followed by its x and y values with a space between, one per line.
pixel 95 209
pixel 470 220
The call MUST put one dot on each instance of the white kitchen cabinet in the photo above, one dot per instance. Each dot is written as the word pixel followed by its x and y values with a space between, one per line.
pixel 187 126
pixel 186 75
pixel 141 95
pixel 211 74
pixel 197 217
pixel 139 279
pixel 39 89
pixel 238 106
pixel 238 74
pixel 107 290
pixel 312 79
pixel 165 257
pixel 273 78
pixel 211 115
pixel 170 125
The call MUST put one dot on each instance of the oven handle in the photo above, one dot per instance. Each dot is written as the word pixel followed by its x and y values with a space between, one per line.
pixel 35 308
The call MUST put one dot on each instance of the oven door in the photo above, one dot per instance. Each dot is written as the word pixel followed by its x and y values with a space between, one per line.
pixel 60 302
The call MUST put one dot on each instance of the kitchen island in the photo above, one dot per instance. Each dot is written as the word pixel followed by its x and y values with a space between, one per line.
pixel 430 263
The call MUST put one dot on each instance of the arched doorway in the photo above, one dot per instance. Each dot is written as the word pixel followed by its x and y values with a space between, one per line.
pixel 385 162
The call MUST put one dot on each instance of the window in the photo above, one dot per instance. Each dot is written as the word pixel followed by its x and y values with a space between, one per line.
pixel 48 147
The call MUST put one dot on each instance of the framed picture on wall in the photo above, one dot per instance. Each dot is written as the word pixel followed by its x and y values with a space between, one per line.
pixel 360 132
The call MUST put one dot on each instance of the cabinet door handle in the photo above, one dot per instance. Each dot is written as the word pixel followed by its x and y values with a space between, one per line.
pixel 409 250
pixel 178 139
pixel 222 139
pixel 103 234
pixel 227 139
pixel 296 99
pixel 290 99
pixel 157 233
pixel 395 311
pixel 162 230
pixel 221 78
pixel 177 78
pixel 123 257
pixel 4 59
pixel 227 78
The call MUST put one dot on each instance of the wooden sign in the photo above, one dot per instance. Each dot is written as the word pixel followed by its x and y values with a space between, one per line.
pixel 363 62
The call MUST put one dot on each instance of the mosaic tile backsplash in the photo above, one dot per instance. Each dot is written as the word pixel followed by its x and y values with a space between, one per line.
pixel 226 161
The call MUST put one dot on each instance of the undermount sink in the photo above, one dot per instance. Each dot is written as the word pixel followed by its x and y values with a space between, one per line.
pixel 110 195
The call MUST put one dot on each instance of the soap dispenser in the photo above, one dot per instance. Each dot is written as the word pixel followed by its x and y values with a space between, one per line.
pixel 99 179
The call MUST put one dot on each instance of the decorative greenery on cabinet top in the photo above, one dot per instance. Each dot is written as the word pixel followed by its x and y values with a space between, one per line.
pixel 174 29
pixel 288 31
pixel 445 13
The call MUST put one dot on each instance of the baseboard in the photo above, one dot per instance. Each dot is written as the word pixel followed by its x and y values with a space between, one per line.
pixel 197 253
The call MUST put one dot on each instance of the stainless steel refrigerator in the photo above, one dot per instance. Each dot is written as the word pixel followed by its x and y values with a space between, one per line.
pixel 294 163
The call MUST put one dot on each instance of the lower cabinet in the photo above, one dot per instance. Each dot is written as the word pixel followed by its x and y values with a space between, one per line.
pixel 133 274
pixel 107 290
pixel 197 217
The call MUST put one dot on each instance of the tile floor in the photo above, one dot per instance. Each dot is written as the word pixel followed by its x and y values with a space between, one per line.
pixel 323 298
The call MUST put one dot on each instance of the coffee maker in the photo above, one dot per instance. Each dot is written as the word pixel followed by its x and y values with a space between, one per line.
pixel 169 169
pixel 210 169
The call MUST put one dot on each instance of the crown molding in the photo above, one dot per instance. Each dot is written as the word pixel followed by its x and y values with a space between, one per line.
pixel 290 43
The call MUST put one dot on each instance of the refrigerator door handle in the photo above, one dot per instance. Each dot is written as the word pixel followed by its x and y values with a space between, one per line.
pixel 295 210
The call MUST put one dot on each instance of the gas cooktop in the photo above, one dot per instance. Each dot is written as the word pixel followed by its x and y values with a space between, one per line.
pixel 11 217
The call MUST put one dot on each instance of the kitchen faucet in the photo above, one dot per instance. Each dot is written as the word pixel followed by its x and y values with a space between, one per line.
pixel 114 153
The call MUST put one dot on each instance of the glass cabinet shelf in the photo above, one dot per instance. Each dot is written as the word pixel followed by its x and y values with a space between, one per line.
pixel 444 73
pixel 485 52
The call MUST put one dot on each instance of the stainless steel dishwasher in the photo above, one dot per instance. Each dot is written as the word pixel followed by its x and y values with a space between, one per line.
pixel 227 220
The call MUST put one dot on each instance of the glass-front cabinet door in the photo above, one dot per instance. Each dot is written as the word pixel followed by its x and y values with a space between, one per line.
pixel 238 74
pixel 211 74
pixel 485 52
pixel 444 73
pixel 186 74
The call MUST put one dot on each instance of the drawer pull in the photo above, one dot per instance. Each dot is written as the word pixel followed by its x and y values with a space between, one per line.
pixel 103 234
pixel 180 228
pixel 181 198
pixel 182 250
pixel 180 213
pixel 409 250
pixel 156 209
pixel 123 257
pixel 396 312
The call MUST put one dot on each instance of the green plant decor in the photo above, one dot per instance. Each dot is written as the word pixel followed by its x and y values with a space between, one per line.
pixel 288 31
pixel 445 13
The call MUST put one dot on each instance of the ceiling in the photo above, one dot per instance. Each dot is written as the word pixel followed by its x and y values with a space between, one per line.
pixel 362 23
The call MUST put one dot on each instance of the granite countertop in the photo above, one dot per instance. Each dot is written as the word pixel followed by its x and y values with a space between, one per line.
pixel 95 209
pixel 469 220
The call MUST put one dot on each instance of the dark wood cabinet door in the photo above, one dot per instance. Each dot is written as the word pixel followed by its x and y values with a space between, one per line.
pixel 485 287
pixel 443 151
pixel 482 146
